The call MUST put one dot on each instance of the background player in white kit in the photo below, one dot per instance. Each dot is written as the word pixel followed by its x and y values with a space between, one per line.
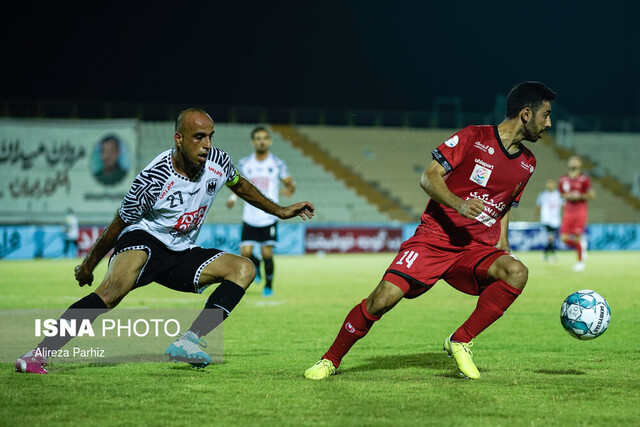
pixel 259 228
pixel 549 203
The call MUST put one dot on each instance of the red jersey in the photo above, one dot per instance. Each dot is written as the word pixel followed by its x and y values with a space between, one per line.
pixel 580 184
pixel 478 166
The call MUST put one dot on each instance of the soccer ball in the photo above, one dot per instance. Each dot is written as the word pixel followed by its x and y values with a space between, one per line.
pixel 585 315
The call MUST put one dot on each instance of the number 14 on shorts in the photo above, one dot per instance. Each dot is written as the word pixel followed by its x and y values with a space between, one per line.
pixel 408 257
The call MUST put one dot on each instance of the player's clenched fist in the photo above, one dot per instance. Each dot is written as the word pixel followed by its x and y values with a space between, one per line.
pixel 471 208
pixel 83 276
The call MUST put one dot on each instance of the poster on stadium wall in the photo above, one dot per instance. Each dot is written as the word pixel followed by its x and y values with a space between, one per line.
pixel 47 166
pixel 353 239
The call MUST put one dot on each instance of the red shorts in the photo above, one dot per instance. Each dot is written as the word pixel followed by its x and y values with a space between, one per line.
pixel 574 223
pixel 423 260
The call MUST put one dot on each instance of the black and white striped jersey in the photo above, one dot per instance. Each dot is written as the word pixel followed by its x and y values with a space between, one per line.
pixel 170 206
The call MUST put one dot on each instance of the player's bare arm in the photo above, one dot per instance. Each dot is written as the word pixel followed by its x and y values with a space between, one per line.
pixel 106 242
pixel 432 182
pixel 590 195
pixel 248 192
pixel 289 186
pixel 503 241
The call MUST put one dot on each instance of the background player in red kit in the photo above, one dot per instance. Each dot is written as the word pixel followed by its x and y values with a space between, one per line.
pixel 475 177
pixel 575 188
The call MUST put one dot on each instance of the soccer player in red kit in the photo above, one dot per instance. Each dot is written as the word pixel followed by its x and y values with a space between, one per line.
pixel 575 188
pixel 474 179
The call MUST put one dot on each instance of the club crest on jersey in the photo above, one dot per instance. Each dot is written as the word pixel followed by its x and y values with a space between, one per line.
pixel 212 184
pixel 480 175
pixel 452 142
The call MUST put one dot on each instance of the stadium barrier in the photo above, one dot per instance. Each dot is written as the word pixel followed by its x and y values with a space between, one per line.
pixel 34 241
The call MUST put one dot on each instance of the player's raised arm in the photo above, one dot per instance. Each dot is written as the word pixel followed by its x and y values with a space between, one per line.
pixel 432 182
pixel 106 242
pixel 248 192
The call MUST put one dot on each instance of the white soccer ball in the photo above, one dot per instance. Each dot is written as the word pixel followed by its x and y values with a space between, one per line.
pixel 585 315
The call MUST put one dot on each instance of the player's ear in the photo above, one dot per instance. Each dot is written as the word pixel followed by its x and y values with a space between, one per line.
pixel 526 114
pixel 177 137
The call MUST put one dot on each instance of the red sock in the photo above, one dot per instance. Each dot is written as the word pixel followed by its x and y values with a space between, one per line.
pixel 575 244
pixel 492 303
pixel 355 326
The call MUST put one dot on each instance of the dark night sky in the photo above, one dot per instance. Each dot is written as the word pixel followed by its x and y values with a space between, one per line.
pixel 374 54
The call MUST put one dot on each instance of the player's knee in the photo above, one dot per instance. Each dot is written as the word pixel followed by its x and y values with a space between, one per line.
pixel 383 299
pixel 112 293
pixel 245 271
pixel 517 275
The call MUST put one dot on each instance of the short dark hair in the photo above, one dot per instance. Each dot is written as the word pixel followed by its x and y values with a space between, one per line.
pixel 108 138
pixel 259 129
pixel 527 94
pixel 183 114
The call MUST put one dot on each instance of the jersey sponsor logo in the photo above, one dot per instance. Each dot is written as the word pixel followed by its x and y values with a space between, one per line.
pixel 480 175
pixel 190 221
pixel 261 182
pixel 452 142
pixel 212 184
pixel 483 147
pixel 527 166
pixel 487 201
pixel 486 219
pixel 215 171
pixel 164 193
pixel 485 164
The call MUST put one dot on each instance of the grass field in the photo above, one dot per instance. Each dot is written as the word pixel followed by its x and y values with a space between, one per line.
pixel 533 372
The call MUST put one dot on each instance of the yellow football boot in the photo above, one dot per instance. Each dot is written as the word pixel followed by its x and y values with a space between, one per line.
pixel 463 357
pixel 321 370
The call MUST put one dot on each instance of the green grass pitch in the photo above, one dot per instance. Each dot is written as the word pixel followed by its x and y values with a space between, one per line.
pixel 533 372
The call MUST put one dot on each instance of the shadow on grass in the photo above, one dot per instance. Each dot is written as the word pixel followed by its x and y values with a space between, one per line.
pixel 434 361
pixel 560 372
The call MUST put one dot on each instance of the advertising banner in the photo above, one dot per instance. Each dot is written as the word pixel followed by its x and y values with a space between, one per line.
pixel 353 239
pixel 48 166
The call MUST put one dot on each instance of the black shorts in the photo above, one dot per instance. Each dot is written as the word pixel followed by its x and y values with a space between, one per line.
pixel 179 271
pixel 551 231
pixel 267 236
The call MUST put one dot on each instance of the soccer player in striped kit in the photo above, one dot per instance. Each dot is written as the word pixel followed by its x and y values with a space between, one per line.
pixel 153 237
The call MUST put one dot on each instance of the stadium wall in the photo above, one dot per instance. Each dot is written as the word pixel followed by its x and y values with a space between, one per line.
pixel 34 241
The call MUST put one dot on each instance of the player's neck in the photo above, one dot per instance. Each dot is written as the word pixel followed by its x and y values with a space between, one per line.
pixel 261 156
pixel 574 173
pixel 510 136
pixel 182 166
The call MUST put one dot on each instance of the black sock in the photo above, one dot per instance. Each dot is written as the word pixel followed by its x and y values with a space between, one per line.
pixel 268 271
pixel 225 297
pixel 256 261
pixel 92 306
